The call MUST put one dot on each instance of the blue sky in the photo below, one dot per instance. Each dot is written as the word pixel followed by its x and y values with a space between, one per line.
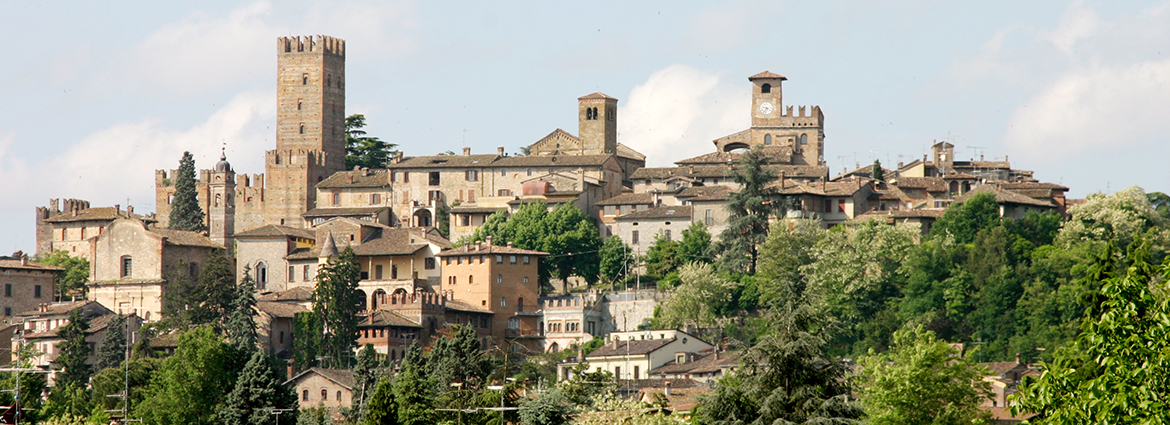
pixel 97 96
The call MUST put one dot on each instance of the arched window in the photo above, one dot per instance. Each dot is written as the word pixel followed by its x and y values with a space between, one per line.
pixel 127 266
pixel 302 129
pixel 766 88
pixel 767 139
pixel 218 197
pixel 513 323
pixel 305 395
pixel 261 275
pixel 503 300
pixel 324 394
pixel 520 305
pixel 304 79
pixel 499 278
pixel 299 105
pixel 338 395
pixel 470 279
pixel 804 139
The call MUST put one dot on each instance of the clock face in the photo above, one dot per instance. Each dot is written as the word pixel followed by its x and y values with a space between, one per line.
pixel 766 108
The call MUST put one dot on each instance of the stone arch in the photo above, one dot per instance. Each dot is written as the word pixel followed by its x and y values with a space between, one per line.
pixel 422 218
pixel 554 348
pixel 363 298
pixel 378 299
pixel 734 146
pixel 766 88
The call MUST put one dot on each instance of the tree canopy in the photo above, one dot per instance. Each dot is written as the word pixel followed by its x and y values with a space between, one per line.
pixel 186 214
pixel 749 208
pixel 566 233
pixel 72 281
pixel 336 303
pixel 362 150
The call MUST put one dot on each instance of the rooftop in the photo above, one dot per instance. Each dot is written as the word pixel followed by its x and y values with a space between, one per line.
pixel 357 178
pixel 680 212
pixel 275 231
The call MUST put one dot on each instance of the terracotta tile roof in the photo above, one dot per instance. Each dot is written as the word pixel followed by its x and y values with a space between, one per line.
pixel 629 199
pixel 348 211
pixel 92 214
pixel 397 241
pixel 636 347
pixel 300 293
pixel 596 95
pixel 384 318
pixel 185 238
pixel 919 213
pixel 837 188
pixel 776 155
pixel 15 263
pixel 458 305
pixel 476 210
pixel 357 178
pixel 679 212
pixel 767 74
pixel 1004 196
pixel 553 161
pixel 628 152
pixel 485 248
pixel 338 376
pixel 57 309
pixel 706 363
pixel 444 161
pixel 280 309
pixel 705 193
pixel 931 184
pixel 1030 185
pixel 275 230
pixel 703 171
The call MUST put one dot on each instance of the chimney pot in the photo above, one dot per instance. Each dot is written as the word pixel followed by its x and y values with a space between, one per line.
pixel 500 150
pixel 118 209
pixel 24 262
pixel 666 391
pixel 509 244
pixel 467 150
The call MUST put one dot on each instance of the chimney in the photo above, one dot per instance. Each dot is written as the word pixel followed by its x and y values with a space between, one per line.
pixel 489 240
pixel 500 150
pixel 1017 358
pixel 24 262
pixel 666 391
pixel 509 244
pixel 129 210
pixel 74 211
pixel 118 209
pixel 291 369
pixel 781 180
pixel 397 156
pixel 467 150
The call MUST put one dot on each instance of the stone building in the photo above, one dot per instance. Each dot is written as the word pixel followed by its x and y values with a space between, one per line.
pixel 320 387
pixel 639 229
pixel 310 147
pixel 39 327
pixel 134 262
pixel 360 194
pixel 568 321
pixel 264 251
pixel 800 133
pixel 632 355
pixel 501 279
pixel 68 225
pixel 27 284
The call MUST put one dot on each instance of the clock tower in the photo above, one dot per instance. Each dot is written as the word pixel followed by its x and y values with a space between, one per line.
pixel 767 99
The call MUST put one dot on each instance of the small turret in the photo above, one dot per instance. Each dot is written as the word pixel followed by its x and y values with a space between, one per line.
pixel 329 248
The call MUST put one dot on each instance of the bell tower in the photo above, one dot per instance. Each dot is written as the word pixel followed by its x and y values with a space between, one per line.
pixel 597 124
pixel 767 99
pixel 221 205
pixel 310 125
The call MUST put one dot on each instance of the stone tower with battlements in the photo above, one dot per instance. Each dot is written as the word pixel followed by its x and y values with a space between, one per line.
pixel 774 124
pixel 310 125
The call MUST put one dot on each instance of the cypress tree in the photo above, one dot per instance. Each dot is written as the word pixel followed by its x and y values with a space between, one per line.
pixel 185 211
pixel 257 392
pixel 240 324
pixel 747 227
pixel 365 374
pixel 336 302
pixel 74 352
pixel 382 408
pixel 412 391
pixel 113 349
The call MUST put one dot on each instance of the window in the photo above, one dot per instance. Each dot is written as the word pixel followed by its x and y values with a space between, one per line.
pixel 499 259
pixel 429 263
pixel 513 323
pixel 610 210
pixel 511 259
pixel 405 177
pixel 617 371
pixel 336 198
pixel 304 79
pixel 338 395
pixel 766 88
pixel 499 278
pixel 530 172
pixel 302 129
pixel 8 289
pixel 841 205
pixel 526 258
pixel 378 272
pixel 503 192
pixel 324 394
pixel 282 337
pixel 192 270
pixel 127 266
pixel 471 175
pixel 708 217
pixel 465 219
pixel 470 279
pixel 306 273
pixel 299 104
pixel 525 280
pixel 804 139
pixel 292 273
pixel 375 198
pixel 503 301
pixel 626 209
pixel 767 139
pixel 634 237
pixel 471 196
pixel 828 205
pixel 305 395
pixel 434 178
pixel 261 274
pixel 394 269
pixel 608 231
pixel 666 234
pixel 435 195
pixel 635 373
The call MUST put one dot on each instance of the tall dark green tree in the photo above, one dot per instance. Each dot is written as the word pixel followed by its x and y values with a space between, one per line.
pixel 257 392
pixel 74 351
pixel 662 257
pixel 382 409
pixel 365 375
pixel 749 208
pixel 307 334
pixel 413 392
pixel 113 349
pixel 337 303
pixel 240 324
pixel 458 359
pixel 186 214
pixel 878 172
pixel 617 259
pixel 362 150
pixel 203 299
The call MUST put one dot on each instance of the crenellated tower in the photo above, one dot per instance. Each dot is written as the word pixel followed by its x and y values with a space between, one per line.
pixel 800 131
pixel 310 125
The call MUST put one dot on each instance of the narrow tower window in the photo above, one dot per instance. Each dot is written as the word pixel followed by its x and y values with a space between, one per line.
pixel 804 139
pixel 767 139
pixel 302 129
pixel 304 79
pixel 299 105
pixel 766 88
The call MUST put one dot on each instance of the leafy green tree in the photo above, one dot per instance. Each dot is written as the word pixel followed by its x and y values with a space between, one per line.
pixel 68 400
pixel 186 214
pixel 703 297
pixel 616 259
pixel 921 380
pixel 112 381
pixel 695 245
pixel 240 324
pixel 362 150
pixel 662 257
pixel 365 374
pixel 567 234
pixel 457 358
pixel 749 208
pixel 187 387
pixel 337 302
pixel 1116 218
pixel 257 392
pixel 551 407
pixel 1117 370
pixel 315 416
pixel 964 219
pixel 72 281
pixel 382 409
pixel 782 256
pixel 1161 203
pixel 74 351
pixel 787 378
pixel 113 349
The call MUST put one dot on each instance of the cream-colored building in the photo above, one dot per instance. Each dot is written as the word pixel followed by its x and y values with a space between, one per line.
pixel 133 263
pixel 320 387
pixel 632 355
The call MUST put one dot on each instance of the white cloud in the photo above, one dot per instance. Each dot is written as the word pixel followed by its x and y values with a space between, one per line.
pixel 1077 25
pixel 678 111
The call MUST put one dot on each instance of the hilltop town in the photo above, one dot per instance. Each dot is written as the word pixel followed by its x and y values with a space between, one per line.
pixel 573 262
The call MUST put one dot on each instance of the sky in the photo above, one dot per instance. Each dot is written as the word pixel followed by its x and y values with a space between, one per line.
pixel 98 95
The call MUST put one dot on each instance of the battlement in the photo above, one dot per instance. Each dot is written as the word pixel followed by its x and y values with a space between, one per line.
pixel 295 157
pixel 69 204
pixel 318 44
pixel 802 116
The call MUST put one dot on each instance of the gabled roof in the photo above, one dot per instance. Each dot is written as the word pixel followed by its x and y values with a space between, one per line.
pixel 636 347
pixel 629 199
pixel 1000 368
pixel 16 263
pixel 357 178
pixel 280 309
pixel 277 231
pixel 706 362
pixel 341 212
pixel 385 318
pixel 628 152
pixel 680 212
pixel 1030 185
pixel 185 238
pixel 300 293
pixel 1005 197
pixel 553 161
pixel 58 309
pixel 705 193
pixel 596 95
pixel 930 184
pixel 767 74
pixel 338 376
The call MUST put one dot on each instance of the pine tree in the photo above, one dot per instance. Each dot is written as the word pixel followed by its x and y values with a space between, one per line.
pixel 382 410
pixel 337 303
pixel 747 227
pixel 113 349
pixel 362 151
pixel 74 351
pixel 257 392
pixel 240 324
pixel 413 393
pixel 307 333
pixel 878 172
pixel 365 374
pixel 185 211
